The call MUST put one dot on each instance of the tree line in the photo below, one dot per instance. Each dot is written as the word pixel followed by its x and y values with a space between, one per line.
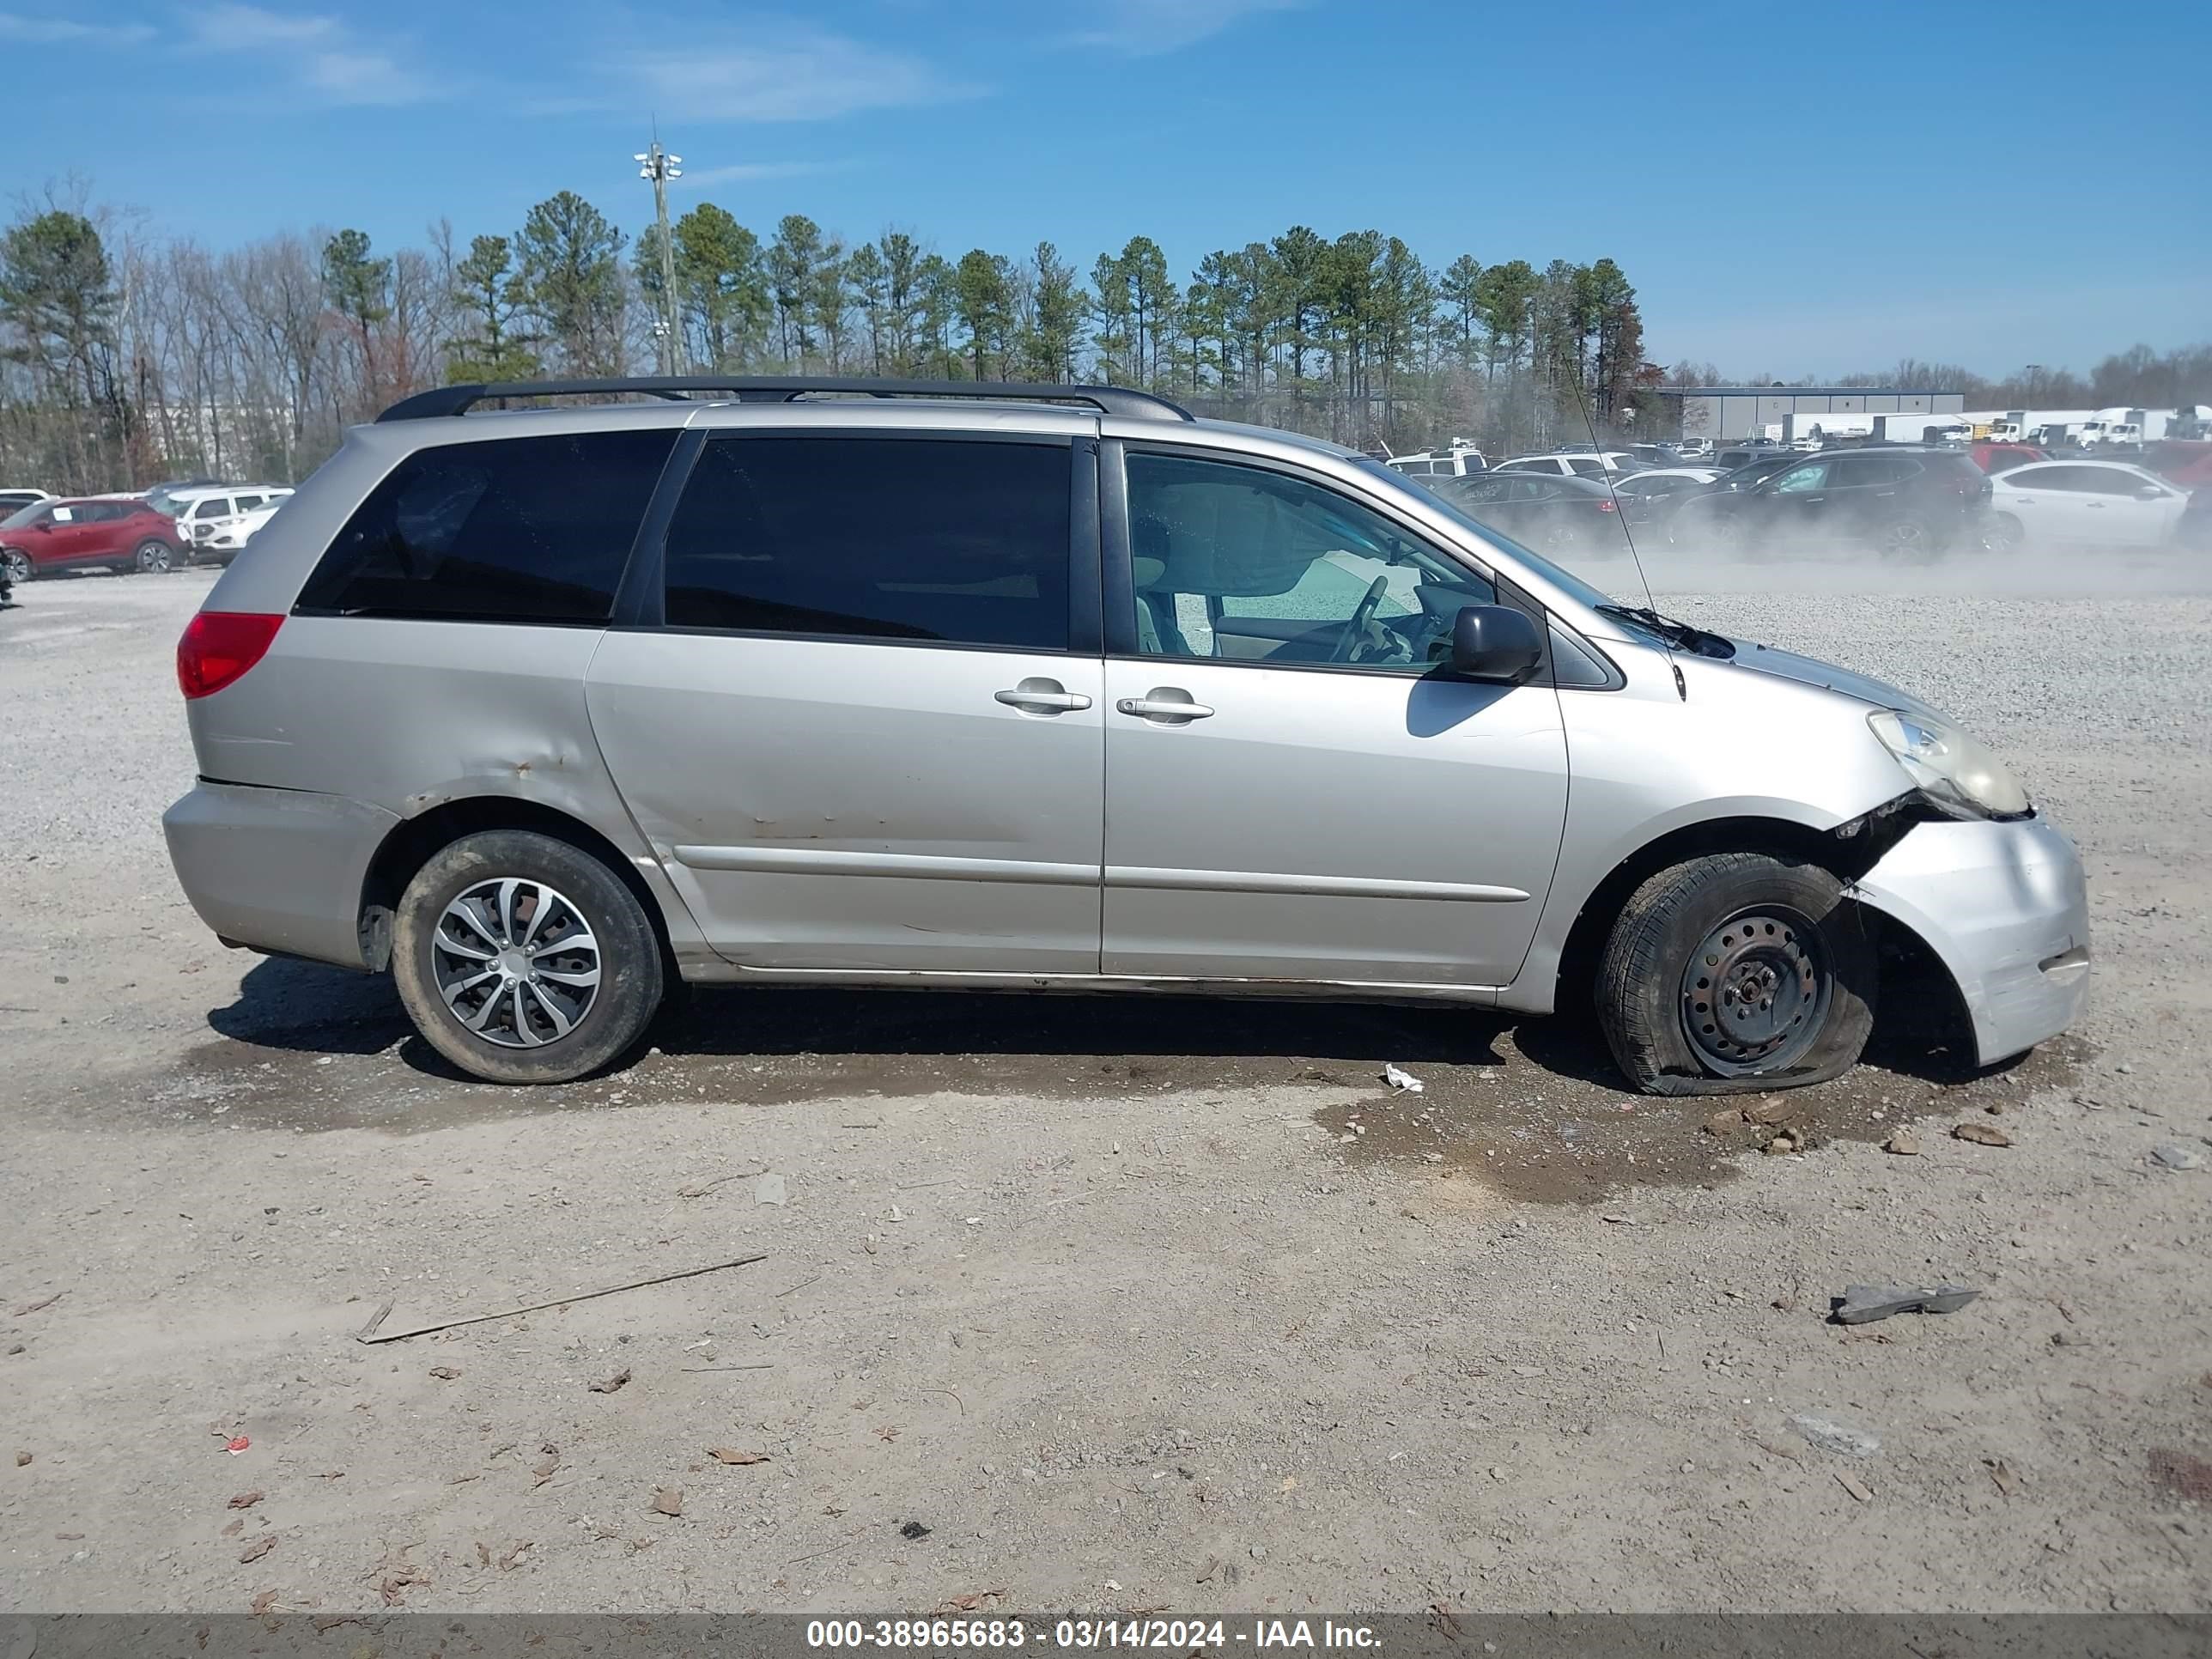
pixel 126 358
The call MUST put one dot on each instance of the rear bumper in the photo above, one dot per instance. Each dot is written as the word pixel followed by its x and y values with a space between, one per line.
pixel 279 870
pixel 2005 907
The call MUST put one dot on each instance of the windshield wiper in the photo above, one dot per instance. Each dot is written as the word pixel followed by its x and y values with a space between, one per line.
pixel 1674 632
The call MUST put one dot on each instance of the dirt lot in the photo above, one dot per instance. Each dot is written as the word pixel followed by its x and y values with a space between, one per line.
pixel 1130 1304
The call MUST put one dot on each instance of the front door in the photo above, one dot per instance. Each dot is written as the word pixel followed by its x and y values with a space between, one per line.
pixel 1292 790
pixel 868 734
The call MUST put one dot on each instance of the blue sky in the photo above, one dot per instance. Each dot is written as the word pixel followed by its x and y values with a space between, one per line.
pixel 1804 189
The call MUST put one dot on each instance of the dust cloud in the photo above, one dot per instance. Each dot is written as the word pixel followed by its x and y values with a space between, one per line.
pixel 1963 571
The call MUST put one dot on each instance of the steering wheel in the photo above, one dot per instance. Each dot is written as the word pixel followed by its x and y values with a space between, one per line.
pixel 1355 631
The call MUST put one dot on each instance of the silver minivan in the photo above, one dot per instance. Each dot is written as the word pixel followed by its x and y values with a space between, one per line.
pixel 1051 688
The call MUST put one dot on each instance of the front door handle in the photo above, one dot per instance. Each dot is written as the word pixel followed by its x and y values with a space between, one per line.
pixel 1038 696
pixel 1169 704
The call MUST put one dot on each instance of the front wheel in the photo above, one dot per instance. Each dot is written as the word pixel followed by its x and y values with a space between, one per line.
pixel 18 565
pixel 523 959
pixel 1908 538
pixel 1736 971
pixel 2000 532
pixel 152 557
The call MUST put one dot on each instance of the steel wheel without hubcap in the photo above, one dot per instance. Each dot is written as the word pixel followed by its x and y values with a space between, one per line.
pixel 1755 991
pixel 516 962
pixel 153 557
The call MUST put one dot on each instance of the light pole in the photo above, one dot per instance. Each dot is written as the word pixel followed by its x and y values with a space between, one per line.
pixel 658 165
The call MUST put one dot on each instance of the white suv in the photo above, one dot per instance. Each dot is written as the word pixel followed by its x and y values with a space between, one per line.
pixel 1456 460
pixel 202 513
pixel 1575 464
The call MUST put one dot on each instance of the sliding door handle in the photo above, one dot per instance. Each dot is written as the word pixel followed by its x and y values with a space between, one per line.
pixel 1165 703
pixel 1041 696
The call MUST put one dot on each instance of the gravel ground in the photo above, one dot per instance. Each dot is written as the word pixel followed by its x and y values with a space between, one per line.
pixel 1132 1304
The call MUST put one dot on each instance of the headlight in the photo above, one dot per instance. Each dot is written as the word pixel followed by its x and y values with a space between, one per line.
pixel 1959 773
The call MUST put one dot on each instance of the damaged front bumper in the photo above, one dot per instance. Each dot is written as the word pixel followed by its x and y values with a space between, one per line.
pixel 2004 907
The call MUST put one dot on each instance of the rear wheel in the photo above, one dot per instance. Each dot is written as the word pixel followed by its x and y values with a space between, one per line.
pixel 523 959
pixel 18 564
pixel 1736 971
pixel 152 557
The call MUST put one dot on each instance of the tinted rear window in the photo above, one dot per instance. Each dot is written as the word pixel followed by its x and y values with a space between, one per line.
pixel 533 530
pixel 942 539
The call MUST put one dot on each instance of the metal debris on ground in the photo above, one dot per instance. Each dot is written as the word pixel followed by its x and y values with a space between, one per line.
pixel 372 1335
pixel 2175 1156
pixel 731 1455
pixel 1862 1304
pixel 1404 1081
pixel 1829 1435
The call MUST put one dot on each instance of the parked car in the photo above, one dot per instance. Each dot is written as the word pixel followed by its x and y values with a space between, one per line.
pixel 1694 449
pixel 1908 500
pixel 1574 463
pixel 2184 462
pixel 200 514
pixel 164 496
pixel 1654 497
pixel 14 500
pixel 226 540
pixel 1452 461
pixel 2108 502
pixel 120 534
pixel 1557 515
pixel 2003 457
pixel 533 709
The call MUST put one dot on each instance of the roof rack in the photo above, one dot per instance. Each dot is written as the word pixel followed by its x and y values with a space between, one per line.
pixel 1107 399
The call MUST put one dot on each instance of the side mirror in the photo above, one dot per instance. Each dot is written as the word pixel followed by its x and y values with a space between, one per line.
pixel 1494 643
pixel 2150 492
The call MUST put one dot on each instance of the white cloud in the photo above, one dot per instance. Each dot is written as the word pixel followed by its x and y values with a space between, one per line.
pixel 321 52
pixel 781 73
pixel 1145 29
pixel 67 30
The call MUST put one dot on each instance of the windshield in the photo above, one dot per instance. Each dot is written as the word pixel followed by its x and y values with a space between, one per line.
pixel 1565 580
pixel 23 515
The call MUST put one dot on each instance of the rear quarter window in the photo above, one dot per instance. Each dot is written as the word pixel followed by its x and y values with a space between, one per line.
pixel 950 540
pixel 525 530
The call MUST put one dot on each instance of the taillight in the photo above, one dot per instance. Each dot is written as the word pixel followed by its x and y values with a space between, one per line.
pixel 1606 506
pixel 219 646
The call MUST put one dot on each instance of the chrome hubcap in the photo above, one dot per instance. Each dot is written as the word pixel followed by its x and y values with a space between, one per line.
pixel 516 962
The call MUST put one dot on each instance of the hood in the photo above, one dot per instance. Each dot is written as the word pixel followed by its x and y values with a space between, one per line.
pixel 1811 670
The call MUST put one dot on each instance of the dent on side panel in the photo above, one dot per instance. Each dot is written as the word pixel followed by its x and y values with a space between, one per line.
pixel 410 715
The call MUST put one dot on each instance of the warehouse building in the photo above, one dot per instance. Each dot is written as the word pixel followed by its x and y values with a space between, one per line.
pixel 1725 413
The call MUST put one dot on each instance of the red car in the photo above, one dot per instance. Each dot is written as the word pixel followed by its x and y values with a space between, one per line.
pixel 1999 458
pixel 64 535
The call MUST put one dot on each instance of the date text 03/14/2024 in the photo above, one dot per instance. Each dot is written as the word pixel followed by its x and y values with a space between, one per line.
pixel 1181 1636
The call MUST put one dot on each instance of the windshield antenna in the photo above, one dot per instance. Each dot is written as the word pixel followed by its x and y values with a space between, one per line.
pixel 1650 599
pixel 1597 449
